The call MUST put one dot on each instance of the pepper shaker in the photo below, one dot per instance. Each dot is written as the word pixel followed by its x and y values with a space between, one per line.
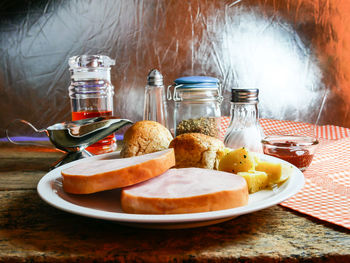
pixel 154 101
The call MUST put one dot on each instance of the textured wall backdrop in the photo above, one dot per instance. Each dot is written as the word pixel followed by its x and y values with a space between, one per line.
pixel 296 51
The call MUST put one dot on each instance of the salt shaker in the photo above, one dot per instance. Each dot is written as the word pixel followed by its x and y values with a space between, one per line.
pixel 154 100
pixel 244 129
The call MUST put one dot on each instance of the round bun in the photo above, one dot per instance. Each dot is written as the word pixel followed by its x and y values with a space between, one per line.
pixel 197 150
pixel 145 137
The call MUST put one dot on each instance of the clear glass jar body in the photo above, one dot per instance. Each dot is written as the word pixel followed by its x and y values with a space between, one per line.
pixel 155 104
pixel 244 129
pixel 91 94
pixel 197 110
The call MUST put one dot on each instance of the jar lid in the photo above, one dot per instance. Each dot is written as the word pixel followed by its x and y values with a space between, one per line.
pixel 197 82
pixel 245 95
pixel 90 61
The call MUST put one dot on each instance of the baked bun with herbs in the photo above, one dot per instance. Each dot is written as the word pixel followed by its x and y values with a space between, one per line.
pixel 197 150
pixel 145 137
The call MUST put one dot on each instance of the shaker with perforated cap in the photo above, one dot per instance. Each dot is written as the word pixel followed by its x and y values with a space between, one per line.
pixel 154 78
pixel 154 100
pixel 244 129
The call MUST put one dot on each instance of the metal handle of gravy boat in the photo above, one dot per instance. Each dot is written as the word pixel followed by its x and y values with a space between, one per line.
pixel 7 131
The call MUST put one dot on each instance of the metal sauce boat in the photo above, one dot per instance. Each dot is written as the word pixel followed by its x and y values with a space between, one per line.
pixel 73 137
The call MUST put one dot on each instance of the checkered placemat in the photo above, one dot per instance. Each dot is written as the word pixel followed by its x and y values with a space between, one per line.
pixel 326 193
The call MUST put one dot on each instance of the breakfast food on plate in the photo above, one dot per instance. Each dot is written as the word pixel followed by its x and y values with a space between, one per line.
pixel 186 190
pixel 239 160
pixel 145 137
pixel 277 173
pixel 93 176
pixel 256 180
pixel 274 170
pixel 197 150
pixel 258 174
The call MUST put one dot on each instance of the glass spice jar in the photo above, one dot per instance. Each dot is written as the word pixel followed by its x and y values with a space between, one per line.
pixel 197 105
pixel 91 93
pixel 244 129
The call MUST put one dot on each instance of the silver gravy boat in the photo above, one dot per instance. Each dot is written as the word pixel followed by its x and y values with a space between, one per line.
pixel 74 137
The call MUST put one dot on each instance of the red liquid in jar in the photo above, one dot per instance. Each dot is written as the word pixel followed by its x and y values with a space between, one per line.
pixel 106 145
pixel 301 158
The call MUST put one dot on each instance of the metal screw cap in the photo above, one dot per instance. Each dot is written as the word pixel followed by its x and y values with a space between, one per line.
pixel 154 78
pixel 245 95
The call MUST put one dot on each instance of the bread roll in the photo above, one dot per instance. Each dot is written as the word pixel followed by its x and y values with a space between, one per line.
pixel 145 137
pixel 197 150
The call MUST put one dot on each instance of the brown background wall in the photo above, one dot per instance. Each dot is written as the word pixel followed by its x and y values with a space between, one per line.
pixel 295 51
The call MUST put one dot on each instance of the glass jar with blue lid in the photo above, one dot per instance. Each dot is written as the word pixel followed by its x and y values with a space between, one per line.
pixel 197 102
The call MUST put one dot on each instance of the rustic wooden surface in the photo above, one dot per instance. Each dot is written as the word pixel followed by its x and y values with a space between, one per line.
pixel 31 230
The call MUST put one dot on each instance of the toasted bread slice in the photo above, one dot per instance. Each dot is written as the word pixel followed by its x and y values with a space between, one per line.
pixel 186 190
pixel 99 175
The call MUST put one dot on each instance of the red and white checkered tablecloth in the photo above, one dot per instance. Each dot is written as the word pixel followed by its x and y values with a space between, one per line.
pixel 326 193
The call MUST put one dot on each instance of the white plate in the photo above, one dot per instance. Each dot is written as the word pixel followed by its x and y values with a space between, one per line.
pixel 106 205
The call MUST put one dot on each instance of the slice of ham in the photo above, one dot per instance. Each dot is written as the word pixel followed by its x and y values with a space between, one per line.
pixel 186 190
pixel 99 175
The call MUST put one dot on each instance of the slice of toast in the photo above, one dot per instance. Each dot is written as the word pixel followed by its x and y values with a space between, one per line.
pixel 99 175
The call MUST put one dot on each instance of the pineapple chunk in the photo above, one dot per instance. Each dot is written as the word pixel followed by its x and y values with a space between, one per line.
pixel 239 160
pixel 273 170
pixel 256 180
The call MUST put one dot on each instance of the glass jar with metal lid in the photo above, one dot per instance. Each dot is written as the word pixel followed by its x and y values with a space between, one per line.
pixel 91 93
pixel 244 129
pixel 197 105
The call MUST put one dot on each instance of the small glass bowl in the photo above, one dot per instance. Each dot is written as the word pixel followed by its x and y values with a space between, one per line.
pixel 295 149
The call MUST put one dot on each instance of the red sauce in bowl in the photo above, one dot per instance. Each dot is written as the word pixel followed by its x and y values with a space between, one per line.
pixel 290 152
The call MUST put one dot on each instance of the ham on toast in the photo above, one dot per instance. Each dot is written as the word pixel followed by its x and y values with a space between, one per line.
pixel 99 175
pixel 186 190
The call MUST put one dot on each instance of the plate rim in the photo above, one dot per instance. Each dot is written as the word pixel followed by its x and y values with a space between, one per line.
pixel 295 184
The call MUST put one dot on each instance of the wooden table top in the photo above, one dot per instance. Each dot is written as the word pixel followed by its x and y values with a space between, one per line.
pixel 31 230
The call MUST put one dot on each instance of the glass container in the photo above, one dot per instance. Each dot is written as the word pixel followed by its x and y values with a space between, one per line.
pixel 91 93
pixel 154 99
pixel 197 105
pixel 298 150
pixel 244 129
